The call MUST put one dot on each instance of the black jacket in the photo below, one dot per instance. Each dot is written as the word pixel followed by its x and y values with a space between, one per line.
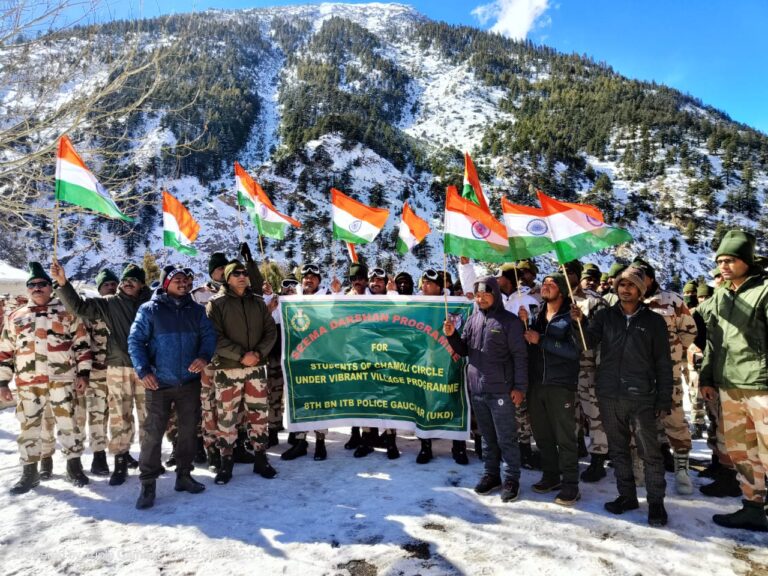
pixel 635 359
pixel 554 361
pixel 493 340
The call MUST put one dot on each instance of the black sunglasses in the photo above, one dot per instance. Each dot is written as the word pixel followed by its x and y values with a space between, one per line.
pixel 239 273
pixel 41 284
pixel 310 269
pixel 377 273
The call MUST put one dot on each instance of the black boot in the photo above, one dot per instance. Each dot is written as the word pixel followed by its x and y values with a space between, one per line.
pixel 657 514
pixel 46 468
pixel 29 479
pixel 171 462
pixel 713 469
pixel 214 458
pixel 365 446
pixel 185 483
pixel 425 454
pixel 274 440
pixel 725 484
pixel 355 440
pixel 296 451
pixel 146 496
pixel 750 517
pixel 292 438
pixel 596 469
pixel 99 465
pixel 243 452
pixel 224 474
pixel 75 473
pixel 132 462
pixel 669 459
pixel 478 439
pixel 200 456
pixel 320 452
pixel 698 431
pixel 120 471
pixel 459 452
pixel 583 452
pixel 529 459
pixel 390 443
pixel 261 465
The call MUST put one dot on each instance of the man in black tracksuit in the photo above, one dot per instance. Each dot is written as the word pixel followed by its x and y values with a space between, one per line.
pixel 634 385
pixel 553 375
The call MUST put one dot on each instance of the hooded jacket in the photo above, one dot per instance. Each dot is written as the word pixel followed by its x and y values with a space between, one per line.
pixel 493 341
pixel 118 311
pixel 554 361
pixel 243 324
pixel 167 336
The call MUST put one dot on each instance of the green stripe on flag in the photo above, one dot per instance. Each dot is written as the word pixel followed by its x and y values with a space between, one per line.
pixel 79 196
pixel 469 193
pixel 271 229
pixel 580 245
pixel 340 233
pixel 170 240
pixel 477 249
pixel 402 247
pixel 523 247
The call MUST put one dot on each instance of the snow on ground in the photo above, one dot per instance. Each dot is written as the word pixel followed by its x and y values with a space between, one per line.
pixel 11 274
pixel 352 516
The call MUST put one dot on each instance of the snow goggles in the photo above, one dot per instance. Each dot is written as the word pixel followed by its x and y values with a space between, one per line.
pixel 289 283
pixel 431 274
pixel 377 273
pixel 310 269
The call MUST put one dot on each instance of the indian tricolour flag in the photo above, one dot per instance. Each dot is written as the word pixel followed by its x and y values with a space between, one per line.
pixel 412 230
pixel 180 229
pixel 77 185
pixel 473 232
pixel 355 222
pixel 527 230
pixel 578 230
pixel 472 189
pixel 268 221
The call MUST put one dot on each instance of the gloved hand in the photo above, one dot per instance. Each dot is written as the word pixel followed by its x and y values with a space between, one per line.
pixel 245 252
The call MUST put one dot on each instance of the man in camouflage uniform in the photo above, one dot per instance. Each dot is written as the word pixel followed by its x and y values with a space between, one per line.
pixel 49 352
pixel 246 334
pixel 681 328
pixel 589 302
pixel 614 271
pixel 734 366
pixel 124 388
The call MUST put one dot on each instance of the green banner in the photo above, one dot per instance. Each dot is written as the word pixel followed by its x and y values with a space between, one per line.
pixel 374 361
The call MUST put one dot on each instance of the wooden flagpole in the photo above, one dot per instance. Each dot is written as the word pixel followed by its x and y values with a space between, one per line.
pixel 573 301
pixel 55 229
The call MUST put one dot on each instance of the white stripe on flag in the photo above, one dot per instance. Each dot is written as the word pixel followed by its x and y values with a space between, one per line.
pixel 356 226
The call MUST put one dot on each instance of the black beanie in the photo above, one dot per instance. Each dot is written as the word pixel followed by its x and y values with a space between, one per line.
pixel 37 272
pixel 561 282
pixel 133 271
pixel 216 260
pixel 105 275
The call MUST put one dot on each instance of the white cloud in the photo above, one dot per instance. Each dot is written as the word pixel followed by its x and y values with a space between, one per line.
pixel 512 18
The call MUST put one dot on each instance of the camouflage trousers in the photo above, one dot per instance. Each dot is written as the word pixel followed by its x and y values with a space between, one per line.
pixel 745 420
pixel 236 388
pixel 125 392
pixel 524 432
pixel 590 411
pixel 716 443
pixel 698 406
pixel 209 424
pixel 673 428
pixel 275 386
pixel 33 401
pixel 91 410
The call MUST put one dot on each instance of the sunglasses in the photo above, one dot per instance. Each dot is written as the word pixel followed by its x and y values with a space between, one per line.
pixel 41 284
pixel 310 269
pixel 377 273
pixel 239 273
pixel 357 277
pixel 432 275
pixel 289 284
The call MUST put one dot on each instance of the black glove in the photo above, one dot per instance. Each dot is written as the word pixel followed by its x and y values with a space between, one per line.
pixel 245 252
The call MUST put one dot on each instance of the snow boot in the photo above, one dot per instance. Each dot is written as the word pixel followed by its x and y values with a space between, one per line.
pixel 750 517
pixel 546 484
pixel 297 450
pixel 120 472
pixel 320 452
pixel 683 484
pixel 459 452
pixel 568 496
pixel 46 468
pixel 132 462
pixel 725 484
pixel 488 484
pixel 713 469
pixel 510 490
pixel 657 514
pixel 29 479
pixel 530 459
pixel 292 438
pixel 390 443
pixel 185 483
pixel 366 444
pixel 262 466
pixel 669 459
pixel 274 440
pixel 355 439
pixel 621 505
pixel 146 497
pixel 425 454
pixel 75 473
pixel 99 465
pixel 214 458
pixel 200 456
pixel 171 461
pixel 242 452
pixel 224 475
pixel 596 469
pixel 478 440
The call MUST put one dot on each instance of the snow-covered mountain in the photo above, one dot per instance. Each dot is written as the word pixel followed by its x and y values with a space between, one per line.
pixel 380 102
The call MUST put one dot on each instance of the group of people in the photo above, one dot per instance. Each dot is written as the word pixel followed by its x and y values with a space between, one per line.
pixel 581 355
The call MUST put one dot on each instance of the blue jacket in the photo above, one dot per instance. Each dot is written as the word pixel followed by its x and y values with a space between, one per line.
pixel 167 336
pixel 493 341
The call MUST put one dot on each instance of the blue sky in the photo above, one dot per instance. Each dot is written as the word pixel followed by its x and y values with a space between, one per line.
pixel 715 50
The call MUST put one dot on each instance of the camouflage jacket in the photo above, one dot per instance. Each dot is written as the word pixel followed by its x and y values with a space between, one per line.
pixel 680 323
pixel 588 302
pixel 99 333
pixel 206 292
pixel 43 343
